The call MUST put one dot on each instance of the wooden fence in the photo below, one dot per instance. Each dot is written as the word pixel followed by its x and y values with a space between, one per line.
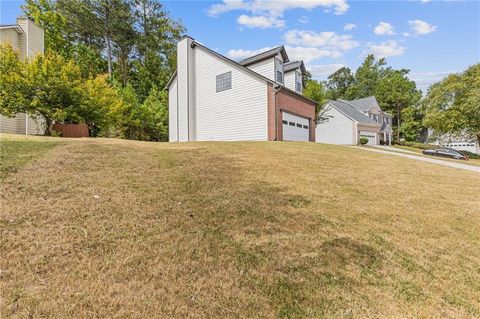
pixel 71 130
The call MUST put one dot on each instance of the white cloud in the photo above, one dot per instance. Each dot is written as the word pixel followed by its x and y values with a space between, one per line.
pixel 261 22
pixel 327 39
pixel 276 7
pixel 421 27
pixel 384 28
pixel 424 1
pixel 303 19
pixel 425 79
pixel 406 34
pixel 305 53
pixel 384 49
pixel 323 71
pixel 349 26
pixel 309 54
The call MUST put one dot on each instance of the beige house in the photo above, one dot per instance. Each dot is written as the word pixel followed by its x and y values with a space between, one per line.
pixel 28 39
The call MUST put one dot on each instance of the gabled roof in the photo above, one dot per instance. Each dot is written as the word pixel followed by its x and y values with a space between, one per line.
pixel 283 88
pixel 12 26
pixel 287 67
pixel 266 55
pixel 365 104
pixel 351 112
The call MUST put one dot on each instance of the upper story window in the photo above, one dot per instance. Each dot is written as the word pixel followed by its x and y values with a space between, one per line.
pixel 298 82
pixel 279 71
pixel 224 82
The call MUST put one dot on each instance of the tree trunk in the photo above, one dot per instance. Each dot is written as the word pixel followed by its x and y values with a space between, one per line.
pixel 48 126
pixel 398 122
pixel 478 139
pixel 108 39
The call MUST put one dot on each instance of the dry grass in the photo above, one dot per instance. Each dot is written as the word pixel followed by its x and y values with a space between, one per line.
pixel 110 228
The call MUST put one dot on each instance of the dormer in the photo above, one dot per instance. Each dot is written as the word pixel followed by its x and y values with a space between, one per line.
pixel 294 76
pixel 270 64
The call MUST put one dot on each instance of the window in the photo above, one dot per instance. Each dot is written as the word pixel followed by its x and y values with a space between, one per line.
pixel 224 82
pixel 298 82
pixel 305 127
pixel 279 71
pixel 284 122
pixel 299 125
pixel 279 77
pixel 298 87
pixel 291 123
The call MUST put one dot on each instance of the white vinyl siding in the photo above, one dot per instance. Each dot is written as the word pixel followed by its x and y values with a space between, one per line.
pixel 172 111
pixel 11 36
pixel 239 113
pixel 35 40
pixel 265 68
pixel 338 129
pixel 290 80
pixel 18 125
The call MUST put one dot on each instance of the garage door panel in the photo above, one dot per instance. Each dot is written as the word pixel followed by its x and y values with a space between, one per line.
pixel 372 137
pixel 295 128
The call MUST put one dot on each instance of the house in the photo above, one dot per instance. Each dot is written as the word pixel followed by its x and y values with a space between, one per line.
pixel 344 122
pixel 213 98
pixel 460 142
pixel 28 39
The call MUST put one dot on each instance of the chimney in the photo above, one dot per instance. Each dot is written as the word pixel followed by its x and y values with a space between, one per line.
pixel 186 85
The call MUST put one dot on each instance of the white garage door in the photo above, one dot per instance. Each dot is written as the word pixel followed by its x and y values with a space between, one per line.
pixel 372 137
pixel 295 128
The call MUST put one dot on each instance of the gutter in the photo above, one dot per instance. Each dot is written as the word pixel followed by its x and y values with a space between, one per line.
pixel 275 91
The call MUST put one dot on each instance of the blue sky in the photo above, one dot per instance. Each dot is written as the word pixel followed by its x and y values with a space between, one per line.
pixel 431 38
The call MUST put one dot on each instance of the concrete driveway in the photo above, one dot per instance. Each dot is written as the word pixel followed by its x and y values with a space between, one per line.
pixel 412 155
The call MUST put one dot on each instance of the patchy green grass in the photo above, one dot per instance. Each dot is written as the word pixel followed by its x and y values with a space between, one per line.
pixel 471 161
pixel 112 228
pixel 16 153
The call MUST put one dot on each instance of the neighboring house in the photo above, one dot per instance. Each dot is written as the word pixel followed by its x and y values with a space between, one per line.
pixel 28 39
pixel 460 143
pixel 344 122
pixel 213 98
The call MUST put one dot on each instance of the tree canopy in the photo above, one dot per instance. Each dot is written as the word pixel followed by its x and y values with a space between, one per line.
pixel 453 104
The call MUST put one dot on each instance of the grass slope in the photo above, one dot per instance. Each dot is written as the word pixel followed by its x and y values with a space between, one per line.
pixel 109 228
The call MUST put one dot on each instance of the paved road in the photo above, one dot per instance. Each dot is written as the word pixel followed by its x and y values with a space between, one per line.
pixel 412 155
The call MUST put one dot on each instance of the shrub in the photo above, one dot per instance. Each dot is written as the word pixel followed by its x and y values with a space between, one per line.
pixel 363 140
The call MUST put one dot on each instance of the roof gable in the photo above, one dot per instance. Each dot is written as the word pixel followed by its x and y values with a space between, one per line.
pixel 351 112
pixel 365 104
pixel 291 66
pixel 266 55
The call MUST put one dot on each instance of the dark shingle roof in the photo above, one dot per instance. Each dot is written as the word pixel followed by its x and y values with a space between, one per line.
pixel 351 112
pixel 265 55
pixel 287 67
pixel 365 104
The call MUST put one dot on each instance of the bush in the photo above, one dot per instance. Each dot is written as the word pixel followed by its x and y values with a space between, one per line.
pixel 471 155
pixel 363 140
pixel 421 146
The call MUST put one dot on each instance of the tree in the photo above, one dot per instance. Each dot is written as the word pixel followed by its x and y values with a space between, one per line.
pixel 367 77
pixel 314 90
pixel 412 126
pixel 452 105
pixel 52 86
pixel 395 92
pixel 339 83
pixel 54 24
pixel 12 69
pixel 100 107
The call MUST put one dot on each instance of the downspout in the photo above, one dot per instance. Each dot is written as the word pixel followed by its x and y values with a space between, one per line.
pixel 275 90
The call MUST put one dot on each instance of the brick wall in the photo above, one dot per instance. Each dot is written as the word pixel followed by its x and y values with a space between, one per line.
pixel 289 102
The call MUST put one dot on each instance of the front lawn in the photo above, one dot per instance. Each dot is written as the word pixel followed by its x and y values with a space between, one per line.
pixel 110 228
